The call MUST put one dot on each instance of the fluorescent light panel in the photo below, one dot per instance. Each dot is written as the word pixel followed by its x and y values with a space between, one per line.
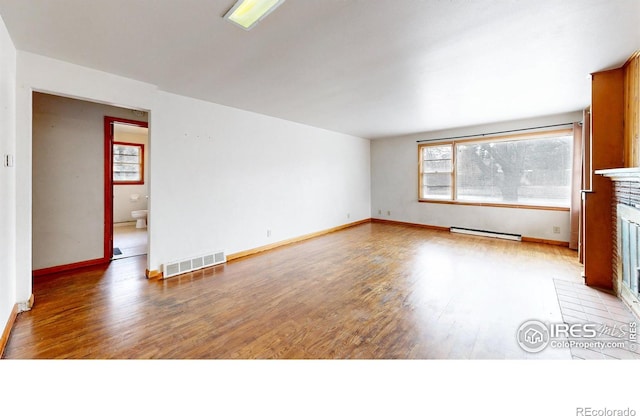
pixel 246 13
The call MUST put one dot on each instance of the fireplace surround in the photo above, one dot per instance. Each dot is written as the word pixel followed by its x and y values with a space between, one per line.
pixel 626 234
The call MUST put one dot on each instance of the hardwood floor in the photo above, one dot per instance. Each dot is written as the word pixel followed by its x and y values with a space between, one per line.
pixel 369 292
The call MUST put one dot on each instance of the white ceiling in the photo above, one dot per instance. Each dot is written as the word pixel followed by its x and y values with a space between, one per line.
pixel 371 68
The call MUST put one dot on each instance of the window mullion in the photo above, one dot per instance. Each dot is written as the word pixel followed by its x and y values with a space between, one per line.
pixel 454 179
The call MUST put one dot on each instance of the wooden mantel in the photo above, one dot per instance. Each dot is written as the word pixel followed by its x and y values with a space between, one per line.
pixel 605 149
pixel 621 174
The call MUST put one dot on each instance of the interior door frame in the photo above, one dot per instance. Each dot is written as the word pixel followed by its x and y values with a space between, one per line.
pixel 108 178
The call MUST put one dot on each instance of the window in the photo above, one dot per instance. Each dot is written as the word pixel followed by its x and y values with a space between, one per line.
pixel 128 163
pixel 531 170
pixel 437 171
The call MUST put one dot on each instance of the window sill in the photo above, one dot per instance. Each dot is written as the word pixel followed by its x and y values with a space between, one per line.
pixel 494 204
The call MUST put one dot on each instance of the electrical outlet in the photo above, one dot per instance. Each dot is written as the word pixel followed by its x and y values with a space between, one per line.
pixel 556 229
pixel 348 215
pixel 389 213
pixel 268 233
pixel 379 212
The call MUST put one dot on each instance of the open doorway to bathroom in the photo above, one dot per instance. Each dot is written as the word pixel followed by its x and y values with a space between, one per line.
pixel 72 190
pixel 127 144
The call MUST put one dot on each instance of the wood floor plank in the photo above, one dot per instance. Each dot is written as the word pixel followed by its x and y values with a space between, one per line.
pixel 374 291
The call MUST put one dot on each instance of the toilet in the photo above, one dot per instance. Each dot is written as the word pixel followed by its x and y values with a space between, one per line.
pixel 141 218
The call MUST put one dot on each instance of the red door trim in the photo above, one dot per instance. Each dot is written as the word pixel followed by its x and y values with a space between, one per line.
pixel 67 267
pixel 108 179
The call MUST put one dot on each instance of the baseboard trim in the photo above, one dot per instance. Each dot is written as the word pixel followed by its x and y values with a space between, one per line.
pixel 544 241
pixel 156 274
pixel 67 267
pixel 241 254
pixel 27 305
pixel 153 274
pixel 7 329
pixel 410 224
pixel 439 228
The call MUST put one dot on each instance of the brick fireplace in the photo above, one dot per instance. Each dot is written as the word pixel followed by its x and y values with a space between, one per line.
pixel 626 234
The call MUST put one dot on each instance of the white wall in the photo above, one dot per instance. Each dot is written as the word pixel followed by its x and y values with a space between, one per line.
pixel 35 72
pixel 222 177
pixel 7 175
pixel 123 203
pixel 219 177
pixel 68 178
pixel 394 178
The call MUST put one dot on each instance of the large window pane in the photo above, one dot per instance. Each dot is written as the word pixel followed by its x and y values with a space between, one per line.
pixel 436 179
pixel 527 172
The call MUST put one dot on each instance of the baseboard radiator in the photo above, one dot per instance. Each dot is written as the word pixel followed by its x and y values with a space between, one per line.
pixel 485 233
pixel 177 267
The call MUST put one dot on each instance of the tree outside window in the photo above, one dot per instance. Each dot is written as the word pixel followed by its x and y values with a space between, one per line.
pixel 527 171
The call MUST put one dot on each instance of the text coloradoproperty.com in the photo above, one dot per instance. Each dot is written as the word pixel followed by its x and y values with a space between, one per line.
pixel 590 344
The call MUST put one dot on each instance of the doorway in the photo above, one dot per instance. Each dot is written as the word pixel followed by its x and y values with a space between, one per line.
pixel 69 209
pixel 126 187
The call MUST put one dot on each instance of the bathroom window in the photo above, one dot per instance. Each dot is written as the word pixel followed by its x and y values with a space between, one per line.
pixel 128 163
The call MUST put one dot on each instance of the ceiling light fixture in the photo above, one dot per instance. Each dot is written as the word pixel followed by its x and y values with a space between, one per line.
pixel 247 13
